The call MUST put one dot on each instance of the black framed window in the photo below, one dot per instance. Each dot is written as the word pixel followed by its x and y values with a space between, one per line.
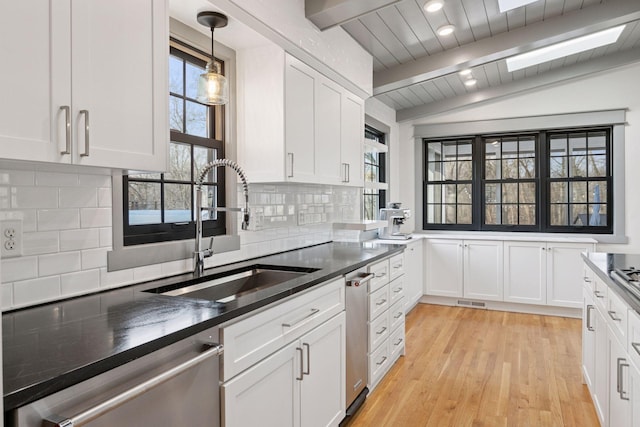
pixel 374 197
pixel 544 181
pixel 448 193
pixel 160 207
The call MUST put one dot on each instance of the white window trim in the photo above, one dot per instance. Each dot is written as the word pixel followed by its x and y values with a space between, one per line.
pixel 616 118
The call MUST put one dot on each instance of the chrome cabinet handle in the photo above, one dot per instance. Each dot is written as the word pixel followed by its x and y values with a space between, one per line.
pixel 598 294
pixel 586 279
pixel 348 172
pixel 290 175
pixel 290 324
pixel 345 172
pixel 397 316
pixel 397 290
pixel 359 281
pixel 613 317
pixel 380 275
pixel 308 371
pixel 382 361
pixel 67 125
pixel 620 382
pixel 301 377
pixel 381 331
pixel 85 113
pixel 124 397
pixel 398 343
pixel 636 347
pixel 589 325
pixel 382 301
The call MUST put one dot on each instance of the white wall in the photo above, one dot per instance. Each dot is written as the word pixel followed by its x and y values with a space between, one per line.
pixel 617 89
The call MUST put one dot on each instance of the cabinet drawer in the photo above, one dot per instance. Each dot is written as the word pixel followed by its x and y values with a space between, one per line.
pixel 396 290
pixel 633 337
pixel 378 302
pixel 378 332
pixel 251 339
pixel 588 278
pixel 600 293
pixel 381 271
pixel 396 266
pixel 617 317
pixel 378 364
pixel 396 343
pixel 396 315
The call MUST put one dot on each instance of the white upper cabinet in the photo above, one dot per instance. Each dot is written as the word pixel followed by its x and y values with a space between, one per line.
pixel 296 125
pixel 87 82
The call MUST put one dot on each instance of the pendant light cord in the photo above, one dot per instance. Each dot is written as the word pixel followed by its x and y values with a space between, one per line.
pixel 213 53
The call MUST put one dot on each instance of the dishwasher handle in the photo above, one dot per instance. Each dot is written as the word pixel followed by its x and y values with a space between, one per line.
pixel 360 280
pixel 122 398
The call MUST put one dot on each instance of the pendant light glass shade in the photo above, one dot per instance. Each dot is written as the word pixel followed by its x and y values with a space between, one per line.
pixel 213 88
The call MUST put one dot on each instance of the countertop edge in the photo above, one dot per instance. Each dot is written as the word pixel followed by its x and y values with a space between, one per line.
pixel 627 296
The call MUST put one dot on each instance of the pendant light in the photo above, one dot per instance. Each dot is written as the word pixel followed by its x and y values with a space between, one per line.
pixel 213 88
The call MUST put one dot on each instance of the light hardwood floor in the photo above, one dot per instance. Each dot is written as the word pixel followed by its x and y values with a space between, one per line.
pixel 469 367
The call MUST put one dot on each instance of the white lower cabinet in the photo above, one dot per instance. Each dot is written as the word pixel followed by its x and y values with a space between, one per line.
pixel 300 385
pixel 564 273
pixel 619 400
pixel 634 386
pixel 414 273
pixel 589 340
pixel 444 268
pixel 524 266
pixel 601 389
pixel 482 273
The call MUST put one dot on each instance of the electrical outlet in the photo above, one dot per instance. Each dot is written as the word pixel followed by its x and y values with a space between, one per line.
pixel 11 238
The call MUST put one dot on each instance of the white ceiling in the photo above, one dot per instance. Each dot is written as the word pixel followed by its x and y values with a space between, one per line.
pixel 416 71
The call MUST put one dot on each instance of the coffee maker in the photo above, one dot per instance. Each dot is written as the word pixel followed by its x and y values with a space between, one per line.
pixel 395 217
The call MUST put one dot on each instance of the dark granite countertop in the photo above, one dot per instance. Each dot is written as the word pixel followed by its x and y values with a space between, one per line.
pixel 603 263
pixel 50 347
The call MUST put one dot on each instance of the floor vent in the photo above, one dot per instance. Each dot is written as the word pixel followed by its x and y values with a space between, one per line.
pixel 471 303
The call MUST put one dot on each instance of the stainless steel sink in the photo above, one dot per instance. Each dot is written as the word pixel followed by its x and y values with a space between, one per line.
pixel 237 284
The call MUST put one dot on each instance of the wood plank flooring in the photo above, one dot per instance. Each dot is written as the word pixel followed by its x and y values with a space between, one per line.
pixel 470 367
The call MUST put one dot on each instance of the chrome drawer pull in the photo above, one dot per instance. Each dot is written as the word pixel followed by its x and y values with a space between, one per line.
pixel 126 396
pixel 586 279
pixel 398 343
pixel 613 317
pixel 313 311
pixel 597 294
pixel 381 331
pixel 397 316
pixel 381 302
pixel 589 325
pixel 636 347
pixel 380 275
pixel 301 377
pixel 620 384
pixel 397 290
pixel 384 358
pixel 397 266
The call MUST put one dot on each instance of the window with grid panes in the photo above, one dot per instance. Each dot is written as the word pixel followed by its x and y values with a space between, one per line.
pixel 374 174
pixel 160 207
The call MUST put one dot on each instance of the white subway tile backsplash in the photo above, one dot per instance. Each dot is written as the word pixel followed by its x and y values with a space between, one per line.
pixel 72 240
pixel 95 217
pixel 5 197
pixel 58 219
pixel 104 197
pixel 106 237
pixel 54 179
pixel 17 177
pixel 94 258
pixel 7 295
pixel 80 282
pixel 25 267
pixel 33 291
pixel 111 279
pixel 78 197
pixel 149 272
pixel 63 262
pixel 29 220
pixel 34 197
pixel 176 267
pixel 95 181
pixel 44 242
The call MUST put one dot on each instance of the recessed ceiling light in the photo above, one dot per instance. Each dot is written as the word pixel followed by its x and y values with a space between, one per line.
pixel 566 48
pixel 505 5
pixel 433 5
pixel 465 72
pixel 470 82
pixel 445 30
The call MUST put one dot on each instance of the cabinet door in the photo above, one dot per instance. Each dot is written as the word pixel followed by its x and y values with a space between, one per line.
pixel 588 340
pixel 444 267
pixel 268 394
pixel 565 273
pixel 120 87
pixel 299 120
pixel 36 79
pixel 322 391
pixel 619 407
pixel 601 389
pixel 483 273
pixel 328 132
pixel 352 141
pixel 525 264
pixel 414 283
pixel 634 386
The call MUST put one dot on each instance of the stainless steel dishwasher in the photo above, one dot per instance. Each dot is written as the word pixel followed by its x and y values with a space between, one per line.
pixel 175 386
pixel 357 338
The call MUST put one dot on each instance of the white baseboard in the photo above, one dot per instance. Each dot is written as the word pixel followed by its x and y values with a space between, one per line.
pixel 544 310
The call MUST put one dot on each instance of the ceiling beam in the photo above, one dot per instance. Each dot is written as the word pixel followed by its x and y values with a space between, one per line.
pixel 329 13
pixel 503 45
pixel 552 77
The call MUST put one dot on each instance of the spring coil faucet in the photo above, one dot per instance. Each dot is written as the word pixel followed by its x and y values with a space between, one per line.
pixel 200 254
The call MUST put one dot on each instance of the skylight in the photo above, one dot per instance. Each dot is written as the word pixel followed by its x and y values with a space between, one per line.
pixel 566 48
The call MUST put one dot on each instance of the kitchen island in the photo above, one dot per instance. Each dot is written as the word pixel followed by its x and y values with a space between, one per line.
pixel 51 347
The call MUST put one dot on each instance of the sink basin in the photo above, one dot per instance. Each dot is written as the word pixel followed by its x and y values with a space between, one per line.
pixel 236 284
